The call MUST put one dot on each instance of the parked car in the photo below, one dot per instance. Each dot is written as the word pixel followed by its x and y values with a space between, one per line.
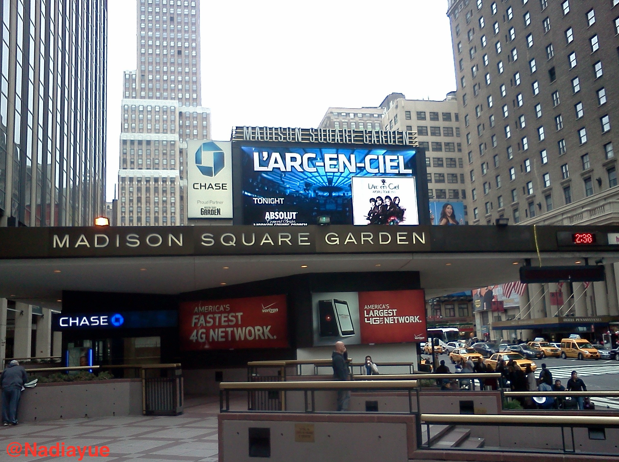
pixel 504 347
pixel 464 353
pixel 604 354
pixel 614 353
pixel 491 363
pixel 427 349
pixel 527 351
pixel 546 348
pixel 485 349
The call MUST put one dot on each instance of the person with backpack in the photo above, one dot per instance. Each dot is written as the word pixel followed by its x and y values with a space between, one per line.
pixel 545 376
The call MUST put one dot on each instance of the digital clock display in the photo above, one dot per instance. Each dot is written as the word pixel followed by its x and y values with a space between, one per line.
pixel 583 238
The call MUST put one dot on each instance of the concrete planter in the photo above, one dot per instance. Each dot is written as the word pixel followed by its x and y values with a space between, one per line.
pixel 105 398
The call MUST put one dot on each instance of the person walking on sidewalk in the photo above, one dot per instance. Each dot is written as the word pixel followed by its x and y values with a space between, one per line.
pixel 575 383
pixel 13 379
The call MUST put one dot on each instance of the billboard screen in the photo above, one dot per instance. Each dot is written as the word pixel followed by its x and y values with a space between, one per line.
pixel 209 178
pixel 369 317
pixel 446 213
pixel 254 322
pixel 293 184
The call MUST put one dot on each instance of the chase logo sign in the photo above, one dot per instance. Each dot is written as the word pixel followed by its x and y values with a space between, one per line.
pixel 115 320
pixel 210 159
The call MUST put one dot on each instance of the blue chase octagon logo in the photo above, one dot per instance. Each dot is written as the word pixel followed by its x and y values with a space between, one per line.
pixel 210 159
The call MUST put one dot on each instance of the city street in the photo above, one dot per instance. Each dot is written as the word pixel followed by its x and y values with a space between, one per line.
pixel 597 375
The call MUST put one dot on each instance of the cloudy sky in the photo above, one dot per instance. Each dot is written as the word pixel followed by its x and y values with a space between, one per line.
pixel 283 64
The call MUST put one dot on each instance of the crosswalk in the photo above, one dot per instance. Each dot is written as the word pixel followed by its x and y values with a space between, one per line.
pixel 599 368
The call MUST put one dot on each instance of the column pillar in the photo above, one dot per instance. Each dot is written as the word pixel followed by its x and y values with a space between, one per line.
pixel 550 309
pixel 43 335
pixel 537 300
pixel 600 299
pixel 524 305
pixel 57 345
pixel 3 316
pixel 23 331
pixel 579 299
pixel 611 284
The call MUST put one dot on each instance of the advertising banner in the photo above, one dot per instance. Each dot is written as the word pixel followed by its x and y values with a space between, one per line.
pixel 378 201
pixel 369 317
pixel 240 323
pixel 485 298
pixel 209 179
pixel 447 213
pixel 288 185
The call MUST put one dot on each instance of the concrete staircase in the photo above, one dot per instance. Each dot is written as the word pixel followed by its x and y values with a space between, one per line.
pixel 450 437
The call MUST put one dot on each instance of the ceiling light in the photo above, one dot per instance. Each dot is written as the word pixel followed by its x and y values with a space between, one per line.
pixel 515 263
pixel 142 269
pixel 378 264
pixel 58 300
pixel 303 266
pixel 447 264
pixel 578 262
pixel 57 271
pixel 222 283
pixel 226 267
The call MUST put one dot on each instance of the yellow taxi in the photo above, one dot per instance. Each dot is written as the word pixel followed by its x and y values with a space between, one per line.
pixel 460 354
pixel 546 348
pixel 427 349
pixel 492 362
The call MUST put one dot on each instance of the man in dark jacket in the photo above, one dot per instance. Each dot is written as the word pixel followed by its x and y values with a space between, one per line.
pixel 575 383
pixel 340 372
pixel 13 379
pixel 545 376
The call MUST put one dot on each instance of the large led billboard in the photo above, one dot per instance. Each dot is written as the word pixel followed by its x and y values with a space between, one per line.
pixel 447 213
pixel 209 179
pixel 293 184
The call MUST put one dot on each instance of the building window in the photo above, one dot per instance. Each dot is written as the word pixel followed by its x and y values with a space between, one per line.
pixel 588 187
pixel 544 4
pixel 517 78
pixel 565 171
pixel 556 100
pixel 484 42
pixel 605 120
pixel 567 194
pixel 580 111
pixel 586 163
pixel 540 133
pixel 572 60
pixel 437 146
pixel 527 165
pixel 434 116
pixel 525 143
pixel 512 34
pixel 530 40
pixel 601 96
pixel 422 130
pixel 514 195
pixel 407 115
pixel 612 177
pixel 474 194
pixel 439 178
pixel 503 90
pixel 591 17
pixel 508 132
pixel 559 122
pixel 519 100
pixel 562 147
pixel 499 200
pixel 597 69
pixel 496 160
pixel 608 151
pixel 527 19
pixel 498 48
pixel 510 153
pixel 435 131
pixel 548 200
pixel 569 35
pixel 550 51
pixel 533 66
pixel 576 85
pixel 505 111
pixel 514 54
pixel 421 115
pixel 546 179
pixel 516 216
pixel 535 87
pixel 582 135
pixel 512 173
pixel 538 110
pixel 544 155
pixel 566 7
pixel 437 162
pixel 446 116
pixel 498 181
pixel 522 121
pixel 475 213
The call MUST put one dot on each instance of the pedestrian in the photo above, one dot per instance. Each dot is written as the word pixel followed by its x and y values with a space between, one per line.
pixel 558 387
pixel 575 383
pixel 340 372
pixel 443 369
pixel 544 402
pixel 445 384
pixel 531 381
pixel 545 376
pixel 13 379
pixel 370 367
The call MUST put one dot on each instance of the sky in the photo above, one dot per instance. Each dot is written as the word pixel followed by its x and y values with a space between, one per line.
pixel 283 63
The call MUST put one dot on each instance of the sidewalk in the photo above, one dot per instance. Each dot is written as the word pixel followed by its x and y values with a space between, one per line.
pixel 190 437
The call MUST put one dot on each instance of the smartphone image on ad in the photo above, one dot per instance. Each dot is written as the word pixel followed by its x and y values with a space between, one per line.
pixel 335 319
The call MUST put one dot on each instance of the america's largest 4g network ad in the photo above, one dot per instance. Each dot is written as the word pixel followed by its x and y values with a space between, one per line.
pixel 293 185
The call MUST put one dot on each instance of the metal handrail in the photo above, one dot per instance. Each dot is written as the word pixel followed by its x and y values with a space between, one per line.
pixel 476 419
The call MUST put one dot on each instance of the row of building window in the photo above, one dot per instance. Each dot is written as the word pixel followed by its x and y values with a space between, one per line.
pixel 436 131
pixel 447 193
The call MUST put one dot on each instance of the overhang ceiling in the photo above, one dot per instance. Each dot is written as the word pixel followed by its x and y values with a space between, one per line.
pixel 42 281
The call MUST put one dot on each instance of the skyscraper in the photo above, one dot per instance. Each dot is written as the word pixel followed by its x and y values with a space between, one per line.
pixel 161 110
pixel 537 90
pixel 52 112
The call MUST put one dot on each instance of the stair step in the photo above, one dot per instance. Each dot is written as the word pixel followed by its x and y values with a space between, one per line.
pixel 452 439
pixel 472 443
pixel 436 432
